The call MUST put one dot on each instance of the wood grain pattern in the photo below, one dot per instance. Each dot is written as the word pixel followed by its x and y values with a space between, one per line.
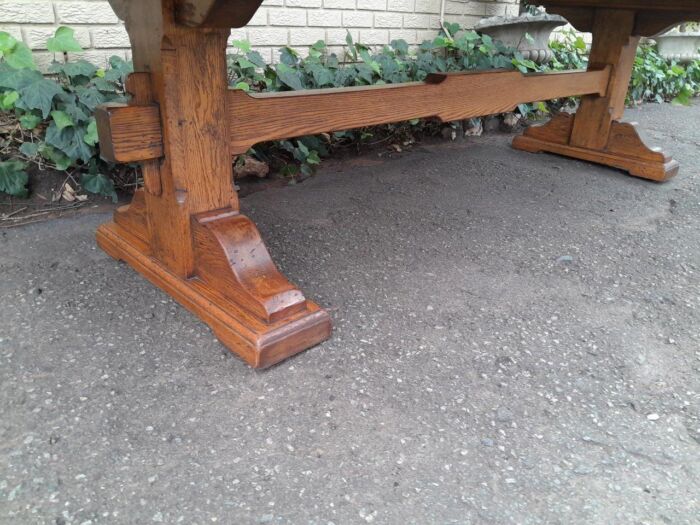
pixel 613 47
pixel 231 257
pixel 129 133
pixel 624 150
pixel 595 134
pixel 134 216
pixel 139 88
pixel 260 344
pixel 266 116
pixel 274 116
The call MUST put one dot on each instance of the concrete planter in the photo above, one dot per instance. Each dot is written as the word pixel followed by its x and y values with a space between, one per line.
pixel 512 30
pixel 681 47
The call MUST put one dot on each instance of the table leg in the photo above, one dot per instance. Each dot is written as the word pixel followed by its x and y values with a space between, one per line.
pixel 184 232
pixel 595 132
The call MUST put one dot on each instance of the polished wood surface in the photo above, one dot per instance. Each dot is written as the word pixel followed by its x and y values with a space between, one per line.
pixel 596 134
pixel 129 133
pixel 265 116
pixel 449 97
pixel 184 231
pixel 623 148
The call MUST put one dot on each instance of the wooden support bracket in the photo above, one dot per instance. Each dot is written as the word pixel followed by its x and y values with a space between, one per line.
pixel 624 148
pixel 261 343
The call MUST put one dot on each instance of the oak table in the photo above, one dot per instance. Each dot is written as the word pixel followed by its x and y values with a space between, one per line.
pixel 184 231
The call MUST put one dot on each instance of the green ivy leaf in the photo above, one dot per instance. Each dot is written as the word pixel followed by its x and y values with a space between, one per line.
pixel 69 141
pixel 8 100
pixel 98 183
pixel 257 59
pixel 682 99
pixel 243 45
pixel 104 85
pixel 400 46
pixel 7 42
pixel 243 86
pixel 90 96
pixel 20 57
pixel 29 121
pixel 39 95
pixel 91 138
pixel 79 68
pixel 245 63
pixel 35 91
pixel 313 158
pixel 322 76
pixel 13 178
pixel 119 69
pixel 63 41
pixel 61 161
pixel 61 119
pixel 289 76
pixel 29 149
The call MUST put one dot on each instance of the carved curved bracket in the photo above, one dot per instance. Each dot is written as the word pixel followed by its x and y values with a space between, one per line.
pixel 231 257
pixel 625 149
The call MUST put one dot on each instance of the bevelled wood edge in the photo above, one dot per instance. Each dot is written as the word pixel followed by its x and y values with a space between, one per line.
pixel 259 344
pixel 625 149
pixel 231 257
pixel 129 133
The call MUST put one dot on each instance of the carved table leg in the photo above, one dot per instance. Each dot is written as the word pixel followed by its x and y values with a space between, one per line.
pixel 595 133
pixel 184 231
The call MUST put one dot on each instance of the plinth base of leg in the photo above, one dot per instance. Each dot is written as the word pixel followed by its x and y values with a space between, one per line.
pixel 259 343
pixel 625 149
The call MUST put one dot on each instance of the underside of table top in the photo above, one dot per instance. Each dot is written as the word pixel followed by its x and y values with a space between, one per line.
pixel 656 15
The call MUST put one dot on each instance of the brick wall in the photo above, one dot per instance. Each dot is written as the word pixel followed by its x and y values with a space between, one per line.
pixel 298 23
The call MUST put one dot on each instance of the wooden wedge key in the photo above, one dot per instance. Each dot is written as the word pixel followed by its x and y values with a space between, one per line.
pixel 184 231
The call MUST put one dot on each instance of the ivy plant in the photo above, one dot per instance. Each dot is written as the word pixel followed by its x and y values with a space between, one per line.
pixel 56 112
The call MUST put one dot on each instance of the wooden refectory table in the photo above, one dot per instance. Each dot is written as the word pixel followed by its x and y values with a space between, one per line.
pixel 184 231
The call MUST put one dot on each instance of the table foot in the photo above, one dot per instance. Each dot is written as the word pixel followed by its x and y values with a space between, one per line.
pixel 625 149
pixel 250 306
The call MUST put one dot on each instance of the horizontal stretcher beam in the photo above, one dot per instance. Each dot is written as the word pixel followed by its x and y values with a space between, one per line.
pixel 133 132
pixel 262 117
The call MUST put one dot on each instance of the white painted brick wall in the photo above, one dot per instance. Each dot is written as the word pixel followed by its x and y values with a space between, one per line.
pixel 298 23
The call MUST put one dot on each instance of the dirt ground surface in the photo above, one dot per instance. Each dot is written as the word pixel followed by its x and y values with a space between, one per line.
pixel 517 341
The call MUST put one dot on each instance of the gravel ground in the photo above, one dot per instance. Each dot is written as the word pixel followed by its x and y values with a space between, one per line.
pixel 517 340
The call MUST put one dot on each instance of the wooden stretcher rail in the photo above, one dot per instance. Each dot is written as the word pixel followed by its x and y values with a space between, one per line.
pixel 134 133
pixel 274 116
